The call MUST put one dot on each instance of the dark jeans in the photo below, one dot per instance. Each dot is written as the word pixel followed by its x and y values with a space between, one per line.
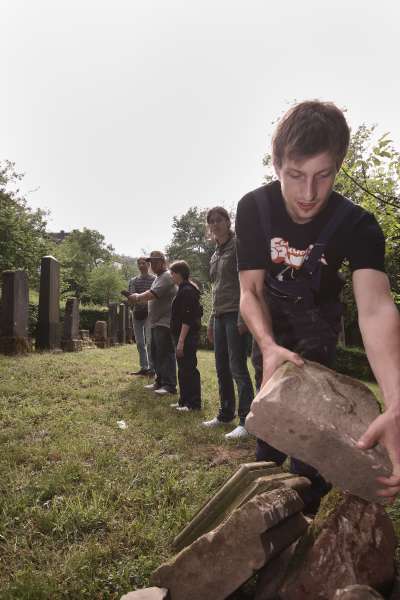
pixel 163 356
pixel 231 363
pixel 313 334
pixel 188 373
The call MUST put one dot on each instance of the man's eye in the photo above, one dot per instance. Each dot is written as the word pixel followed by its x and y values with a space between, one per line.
pixel 295 175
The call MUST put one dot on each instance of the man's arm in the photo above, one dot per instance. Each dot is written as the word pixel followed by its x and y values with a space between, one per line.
pixel 379 322
pixel 144 297
pixel 256 314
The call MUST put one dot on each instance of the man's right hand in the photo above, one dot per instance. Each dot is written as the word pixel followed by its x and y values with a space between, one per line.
pixel 210 334
pixel 274 357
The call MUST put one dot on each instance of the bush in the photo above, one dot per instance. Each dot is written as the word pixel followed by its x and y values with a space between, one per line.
pixel 353 362
pixel 89 316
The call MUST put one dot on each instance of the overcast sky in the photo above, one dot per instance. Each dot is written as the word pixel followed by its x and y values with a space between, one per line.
pixel 126 113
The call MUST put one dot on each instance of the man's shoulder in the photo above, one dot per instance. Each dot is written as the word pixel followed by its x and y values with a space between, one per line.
pixel 266 191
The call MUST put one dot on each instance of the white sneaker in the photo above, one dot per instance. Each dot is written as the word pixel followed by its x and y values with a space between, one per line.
pixel 238 433
pixel 174 405
pixel 150 386
pixel 183 408
pixel 215 422
pixel 161 391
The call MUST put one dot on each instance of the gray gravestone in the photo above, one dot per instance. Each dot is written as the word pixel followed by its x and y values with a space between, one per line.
pixel 122 324
pixel 71 341
pixel 113 323
pixel 100 334
pixel 14 314
pixel 48 334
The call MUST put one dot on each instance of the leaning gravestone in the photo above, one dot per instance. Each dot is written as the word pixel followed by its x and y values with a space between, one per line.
pixel 220 561
pixel 71 341
pixel 122 324
pixel 14 313
pixel 48 330
pixel 317 415
pixel 250 479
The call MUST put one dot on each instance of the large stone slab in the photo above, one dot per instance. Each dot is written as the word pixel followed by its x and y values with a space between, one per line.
pixel 317 415
pixel 153 593
pixel 350 542
pixel 220 561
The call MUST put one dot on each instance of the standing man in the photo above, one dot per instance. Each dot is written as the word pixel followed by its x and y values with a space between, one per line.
pixel 141 322
pixel 160 297
pixel 292 237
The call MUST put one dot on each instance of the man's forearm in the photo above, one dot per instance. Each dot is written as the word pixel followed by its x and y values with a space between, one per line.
pixel 381 336
pixel 184 331
pixel 145 296
pixel 255 313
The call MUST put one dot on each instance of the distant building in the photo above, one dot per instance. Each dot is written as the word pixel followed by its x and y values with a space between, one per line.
pixel 58 237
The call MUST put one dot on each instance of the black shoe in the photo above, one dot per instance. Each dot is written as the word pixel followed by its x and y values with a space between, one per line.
pixel 150 373
pixel 140 372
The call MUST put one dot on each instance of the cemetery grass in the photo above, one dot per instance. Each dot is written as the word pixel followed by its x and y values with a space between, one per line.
pixel 88 510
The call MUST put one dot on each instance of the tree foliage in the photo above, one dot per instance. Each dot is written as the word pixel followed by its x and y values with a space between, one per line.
pixel 190 243
pixel 105 283
pixel 79 253
pixel 22 230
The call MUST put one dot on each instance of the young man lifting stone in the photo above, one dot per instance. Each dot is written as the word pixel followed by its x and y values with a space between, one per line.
pixel 292 238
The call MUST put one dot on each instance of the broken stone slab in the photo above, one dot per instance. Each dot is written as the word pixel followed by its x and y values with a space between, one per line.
pixel 218 507
pixel 153 593
pixel 357 592
pixel 220 561
pixel 317 415
pixel 350 542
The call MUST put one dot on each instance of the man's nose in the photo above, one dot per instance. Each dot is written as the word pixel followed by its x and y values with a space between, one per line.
pixel 310 190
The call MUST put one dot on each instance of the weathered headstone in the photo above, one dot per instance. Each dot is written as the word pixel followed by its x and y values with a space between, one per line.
pixel 100 334
pixel 14 313
pixel 220 561
pixel 317 415
pixel 71 341
pixel 48 329
pixel 350 542
pixel 113 323
pixel 122 324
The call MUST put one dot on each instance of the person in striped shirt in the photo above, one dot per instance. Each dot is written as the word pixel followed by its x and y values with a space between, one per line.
pixel 141 322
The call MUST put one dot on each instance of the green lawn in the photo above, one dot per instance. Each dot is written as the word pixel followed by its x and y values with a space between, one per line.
pixel 88 510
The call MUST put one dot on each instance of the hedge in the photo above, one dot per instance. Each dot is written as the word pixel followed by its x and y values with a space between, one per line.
pixel 353 362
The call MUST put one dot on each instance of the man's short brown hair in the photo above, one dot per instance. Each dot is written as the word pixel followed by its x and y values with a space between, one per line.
pixel 310 128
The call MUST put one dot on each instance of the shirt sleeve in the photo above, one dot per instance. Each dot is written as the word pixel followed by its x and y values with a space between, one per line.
pixel 189 306
pixel 366 248
pixel 251 244
pixel 162 285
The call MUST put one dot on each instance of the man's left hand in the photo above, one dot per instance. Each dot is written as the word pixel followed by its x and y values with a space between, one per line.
pixel 179 351
pixel 133 298
pixel 385 429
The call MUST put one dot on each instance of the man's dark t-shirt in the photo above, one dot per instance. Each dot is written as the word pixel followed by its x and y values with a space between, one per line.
pixel 358 239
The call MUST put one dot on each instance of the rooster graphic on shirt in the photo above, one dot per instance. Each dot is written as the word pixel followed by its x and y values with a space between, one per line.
pixel 283 254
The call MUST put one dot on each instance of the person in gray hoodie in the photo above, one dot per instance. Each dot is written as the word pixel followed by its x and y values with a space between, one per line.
pixel 226 330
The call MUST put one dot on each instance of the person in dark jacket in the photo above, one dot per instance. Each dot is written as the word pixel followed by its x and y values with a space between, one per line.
pixel 185 327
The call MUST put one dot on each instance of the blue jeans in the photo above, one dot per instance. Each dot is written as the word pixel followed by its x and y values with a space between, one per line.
pixel 142 332
pixel 231 363
pixel 163 353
